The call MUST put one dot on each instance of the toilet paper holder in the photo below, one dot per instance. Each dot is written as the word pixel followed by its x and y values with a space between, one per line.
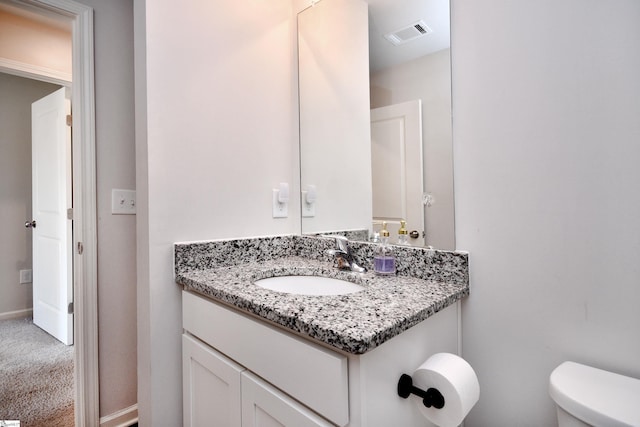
pixel 430 397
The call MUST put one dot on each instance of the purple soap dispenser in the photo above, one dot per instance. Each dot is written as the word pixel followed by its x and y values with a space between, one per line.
pixel 384 262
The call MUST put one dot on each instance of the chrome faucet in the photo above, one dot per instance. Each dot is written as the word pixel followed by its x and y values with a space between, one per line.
pixel 344 259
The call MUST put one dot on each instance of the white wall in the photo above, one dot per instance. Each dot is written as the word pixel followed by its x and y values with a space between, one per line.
pixel 17 95
pixel 546 100
pixel 545 138
pixel 427 78
pixel 216 113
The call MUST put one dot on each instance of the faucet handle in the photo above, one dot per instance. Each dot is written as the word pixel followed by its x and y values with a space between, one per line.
pixel 343 258
pixel 342 243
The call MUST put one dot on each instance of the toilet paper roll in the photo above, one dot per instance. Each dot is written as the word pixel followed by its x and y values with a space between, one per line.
pixel 456 381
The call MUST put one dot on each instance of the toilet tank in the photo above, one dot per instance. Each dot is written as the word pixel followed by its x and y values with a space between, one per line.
pixel 594 396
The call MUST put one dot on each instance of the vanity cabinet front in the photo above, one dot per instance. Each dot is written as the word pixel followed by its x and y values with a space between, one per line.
pixel 233 348
pixel 219 392
pixel 239 370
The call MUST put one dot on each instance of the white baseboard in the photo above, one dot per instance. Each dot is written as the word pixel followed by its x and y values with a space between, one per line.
pixel 122 418
pixel 16 314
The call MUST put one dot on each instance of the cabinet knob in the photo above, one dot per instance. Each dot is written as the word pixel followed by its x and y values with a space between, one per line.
pixel 30 224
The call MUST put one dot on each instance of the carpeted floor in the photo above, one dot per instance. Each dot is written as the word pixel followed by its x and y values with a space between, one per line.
pixel 36 376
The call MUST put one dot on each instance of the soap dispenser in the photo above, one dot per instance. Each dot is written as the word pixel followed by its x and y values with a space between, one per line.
pixel 403 234
pixel 384 263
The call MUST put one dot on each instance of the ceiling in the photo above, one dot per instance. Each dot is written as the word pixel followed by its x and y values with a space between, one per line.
pixel 385 16
pixel 40 16
pixel 390 15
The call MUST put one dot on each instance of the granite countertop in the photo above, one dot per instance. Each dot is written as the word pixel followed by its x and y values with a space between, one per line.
pixel 354 323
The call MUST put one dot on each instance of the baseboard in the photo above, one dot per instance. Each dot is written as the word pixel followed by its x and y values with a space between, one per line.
pixel 123 418
pixel 16 314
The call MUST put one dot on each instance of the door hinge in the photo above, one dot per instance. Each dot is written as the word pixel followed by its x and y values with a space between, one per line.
pixel 70 308
pixel 80 248
pixel 69 120
pixel 70 213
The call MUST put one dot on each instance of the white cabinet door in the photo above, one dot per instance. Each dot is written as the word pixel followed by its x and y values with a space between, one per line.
pixel 265 406
pixel 211 386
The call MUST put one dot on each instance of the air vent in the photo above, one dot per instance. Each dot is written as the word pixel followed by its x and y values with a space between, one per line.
pixel 408 33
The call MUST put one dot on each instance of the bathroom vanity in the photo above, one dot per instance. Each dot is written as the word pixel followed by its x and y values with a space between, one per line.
pixel 257 357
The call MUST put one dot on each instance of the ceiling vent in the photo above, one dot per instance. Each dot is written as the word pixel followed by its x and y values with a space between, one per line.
pixel 408 33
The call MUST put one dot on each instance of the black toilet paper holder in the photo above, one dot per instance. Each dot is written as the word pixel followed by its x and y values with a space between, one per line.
pixel 430 397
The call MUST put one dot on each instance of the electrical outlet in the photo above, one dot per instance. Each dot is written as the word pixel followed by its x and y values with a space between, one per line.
pixel 26 276
pixel 123 202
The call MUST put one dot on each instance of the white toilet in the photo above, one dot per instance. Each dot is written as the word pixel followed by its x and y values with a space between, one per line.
pixel 587 396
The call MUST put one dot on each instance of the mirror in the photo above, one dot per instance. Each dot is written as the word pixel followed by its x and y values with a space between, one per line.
pixel 361 163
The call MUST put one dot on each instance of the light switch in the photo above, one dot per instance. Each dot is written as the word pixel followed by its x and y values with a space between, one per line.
pixel 123 202
pixel 309 197
pixel 281 201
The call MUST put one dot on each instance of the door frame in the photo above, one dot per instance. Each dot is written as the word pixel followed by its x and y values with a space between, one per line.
pixel 85 278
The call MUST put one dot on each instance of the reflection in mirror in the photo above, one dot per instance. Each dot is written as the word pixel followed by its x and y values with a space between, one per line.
pixel 375 122
pixel 335 161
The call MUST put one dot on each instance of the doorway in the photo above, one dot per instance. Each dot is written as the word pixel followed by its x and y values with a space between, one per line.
pixel 28 351
pixel 84 185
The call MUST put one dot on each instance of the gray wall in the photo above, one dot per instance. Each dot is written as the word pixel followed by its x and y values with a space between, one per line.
pixel 16 96
pixel 546 100
pixel 115 153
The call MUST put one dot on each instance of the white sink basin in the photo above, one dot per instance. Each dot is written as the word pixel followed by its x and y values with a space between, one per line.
pixel 309 285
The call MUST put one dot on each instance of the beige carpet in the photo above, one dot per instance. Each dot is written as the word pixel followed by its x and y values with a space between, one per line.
pixel 36 376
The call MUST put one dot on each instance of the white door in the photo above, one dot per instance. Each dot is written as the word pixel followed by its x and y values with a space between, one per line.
pixel 51 194
pixel 396 159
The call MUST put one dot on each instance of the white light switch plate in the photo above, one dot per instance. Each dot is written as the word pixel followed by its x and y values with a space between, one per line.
pixel 123 202
pixel 26 276
pixel 280 210
pixel 308 209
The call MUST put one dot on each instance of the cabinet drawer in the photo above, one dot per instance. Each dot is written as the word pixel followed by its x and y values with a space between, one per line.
pixel 312 374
